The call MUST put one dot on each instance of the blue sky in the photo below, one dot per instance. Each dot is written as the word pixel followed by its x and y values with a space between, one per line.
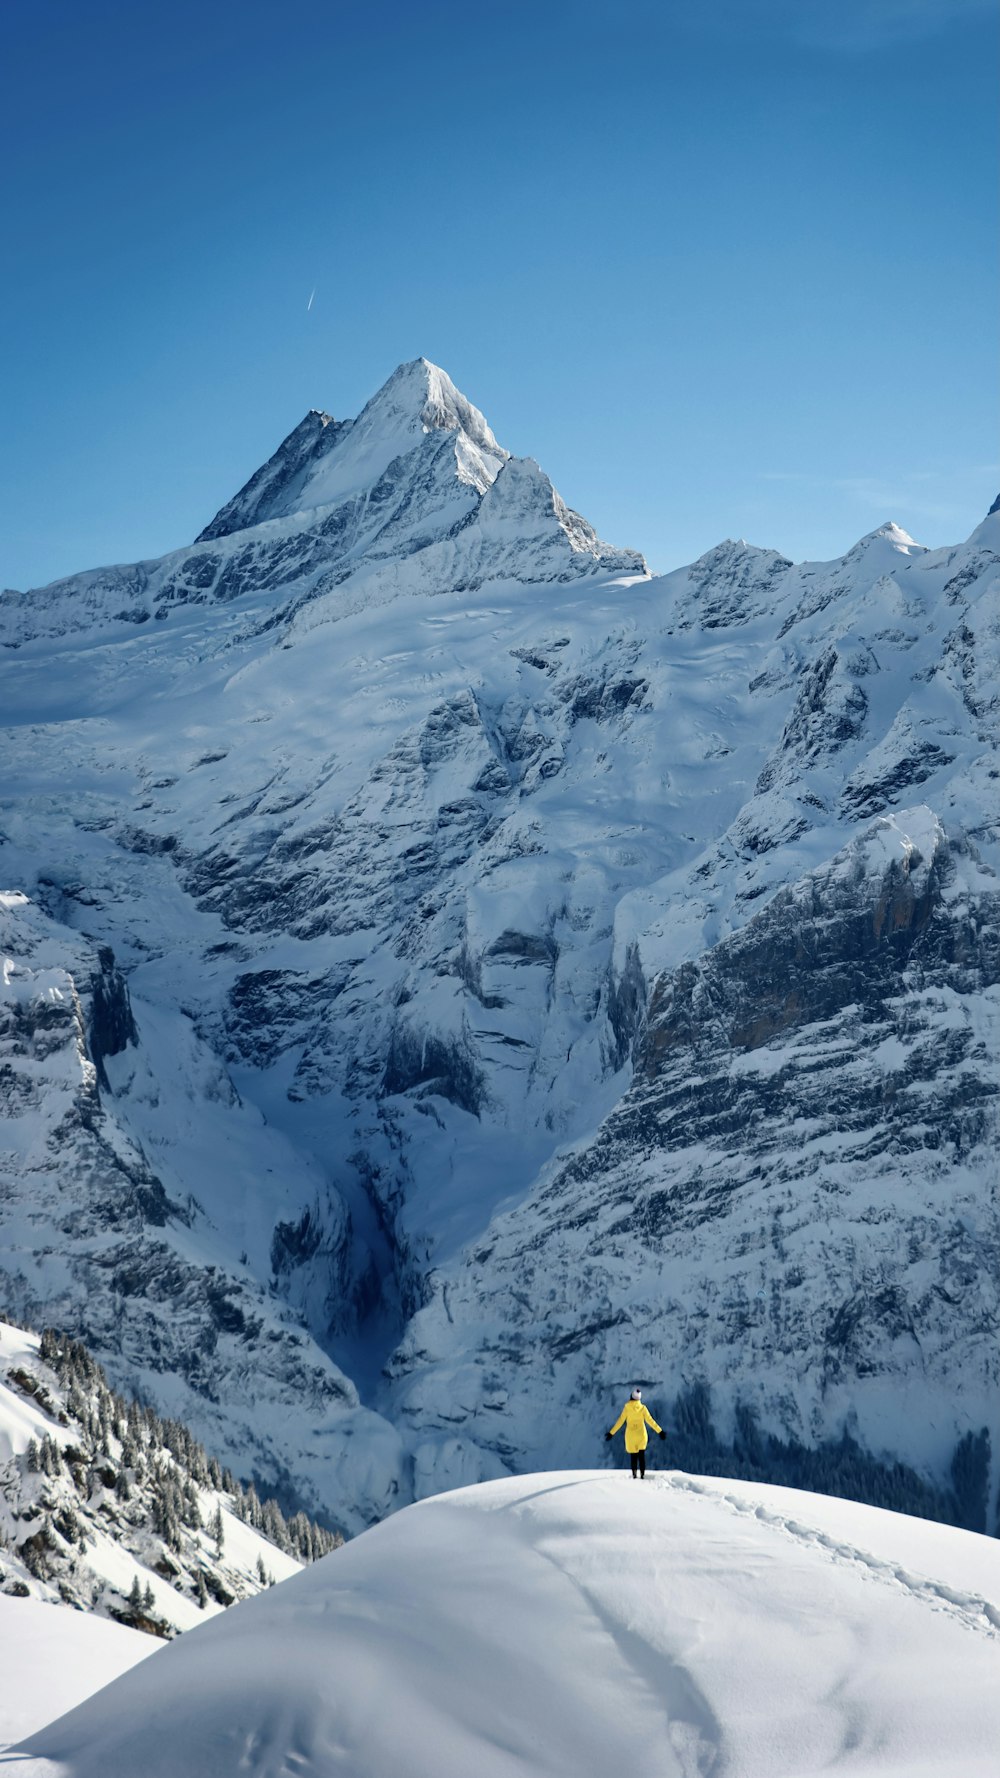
pixel 725 268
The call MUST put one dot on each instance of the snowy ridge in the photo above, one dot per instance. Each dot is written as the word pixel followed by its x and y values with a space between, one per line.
pixel 713 1628
pixel 325 461
pixel 976 1612
pixel 53 1659
pixel 275 485
pixel 537 972
pixel 405 479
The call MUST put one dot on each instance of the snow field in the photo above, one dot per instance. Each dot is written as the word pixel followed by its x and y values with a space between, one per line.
pixel 576 1623
pixel 52 1659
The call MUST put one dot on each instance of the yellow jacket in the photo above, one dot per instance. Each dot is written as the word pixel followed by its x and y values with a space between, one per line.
pixel 635 1417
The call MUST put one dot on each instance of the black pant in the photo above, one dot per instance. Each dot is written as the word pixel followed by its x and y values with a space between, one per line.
pixel 638 1457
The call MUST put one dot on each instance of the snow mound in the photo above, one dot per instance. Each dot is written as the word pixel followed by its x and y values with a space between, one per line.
pixel 581 1623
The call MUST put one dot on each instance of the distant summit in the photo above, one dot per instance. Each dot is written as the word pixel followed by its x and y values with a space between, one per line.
pixel 324 460
pixel 406 497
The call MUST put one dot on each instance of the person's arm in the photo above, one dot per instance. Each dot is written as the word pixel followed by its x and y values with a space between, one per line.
pixel 619 1423
pixel 651 1422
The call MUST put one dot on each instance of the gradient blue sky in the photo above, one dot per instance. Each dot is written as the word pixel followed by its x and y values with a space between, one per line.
pixel 725 267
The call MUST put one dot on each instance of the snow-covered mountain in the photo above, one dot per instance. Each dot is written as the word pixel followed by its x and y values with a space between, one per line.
pixel 455 973
pixel 105 1508
pixel 575 1624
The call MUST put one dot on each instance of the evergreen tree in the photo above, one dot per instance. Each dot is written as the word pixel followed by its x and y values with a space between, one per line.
pixel 192 1511
pixel 970 1475
pixel 217 1530
pixel 273 1524
pixel 163 1460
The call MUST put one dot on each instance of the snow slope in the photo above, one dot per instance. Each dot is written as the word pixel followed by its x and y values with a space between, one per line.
pixel 574 1624
pixel 453 973
pixel 99 1503
pixel 52 1659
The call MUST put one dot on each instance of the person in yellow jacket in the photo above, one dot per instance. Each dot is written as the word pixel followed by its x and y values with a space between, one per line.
pixel 635 1417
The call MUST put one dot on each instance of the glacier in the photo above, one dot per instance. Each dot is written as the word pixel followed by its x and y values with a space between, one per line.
pixel 454 974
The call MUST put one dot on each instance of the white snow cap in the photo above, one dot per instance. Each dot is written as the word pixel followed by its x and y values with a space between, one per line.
pixel 636 1395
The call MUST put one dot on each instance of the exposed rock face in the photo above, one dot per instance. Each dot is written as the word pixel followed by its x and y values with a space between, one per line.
pixel 272 489
pixel 111 1027
pixel 482 974
pixel 93 1242
pixel 789 1203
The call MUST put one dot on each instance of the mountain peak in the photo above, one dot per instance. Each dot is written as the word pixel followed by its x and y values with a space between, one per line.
pixel 892 534
pixel 422 391
pixel 324 461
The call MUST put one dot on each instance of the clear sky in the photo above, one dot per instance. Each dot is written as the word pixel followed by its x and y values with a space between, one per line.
pixel 725 267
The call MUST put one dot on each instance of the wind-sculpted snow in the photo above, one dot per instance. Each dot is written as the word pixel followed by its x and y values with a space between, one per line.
pixel 575 1624
pixel 509 1005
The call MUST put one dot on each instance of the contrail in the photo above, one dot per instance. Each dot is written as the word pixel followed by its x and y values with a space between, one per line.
pixel 312 299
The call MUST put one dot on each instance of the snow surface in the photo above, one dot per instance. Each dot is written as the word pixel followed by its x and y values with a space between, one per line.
pixel 574 1624
pixel 418 399
pixel 21 1420
pixel 52 1659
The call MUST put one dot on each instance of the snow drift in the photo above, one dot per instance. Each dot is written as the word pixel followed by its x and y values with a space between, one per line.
pixel 577 1624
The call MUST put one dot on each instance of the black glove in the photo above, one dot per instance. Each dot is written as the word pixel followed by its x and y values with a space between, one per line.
pixel 607 1435
pixel 663 1435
